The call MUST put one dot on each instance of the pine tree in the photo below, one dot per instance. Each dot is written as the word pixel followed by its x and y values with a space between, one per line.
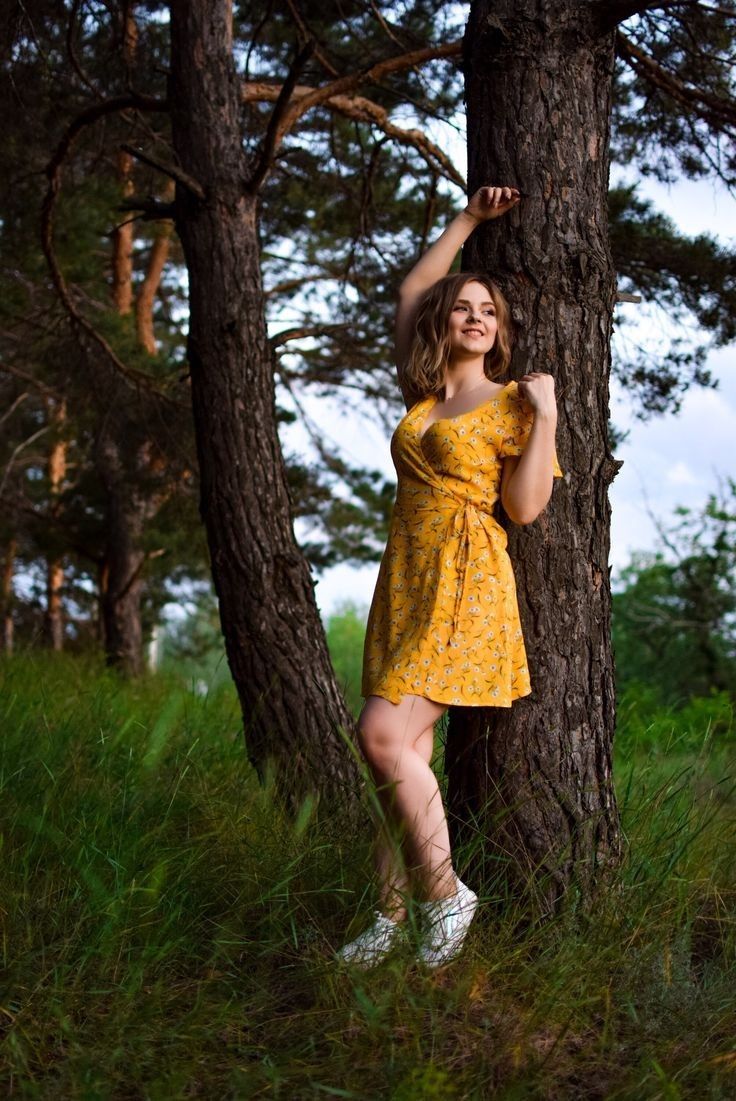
pixel 307 182
pixel 535 781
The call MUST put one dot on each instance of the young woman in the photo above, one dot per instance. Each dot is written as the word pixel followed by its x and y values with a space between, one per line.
pixel 444 626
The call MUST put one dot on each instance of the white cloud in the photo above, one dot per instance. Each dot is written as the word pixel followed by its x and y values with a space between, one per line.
pixel 681 474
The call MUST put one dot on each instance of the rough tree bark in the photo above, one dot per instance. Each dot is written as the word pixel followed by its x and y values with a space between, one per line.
pixel 534 781
pixel 293 712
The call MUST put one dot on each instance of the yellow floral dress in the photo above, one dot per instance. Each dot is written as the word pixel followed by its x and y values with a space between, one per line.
pixel 444 620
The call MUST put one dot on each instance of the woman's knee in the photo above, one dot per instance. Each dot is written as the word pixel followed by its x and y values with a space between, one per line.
pixel 378 739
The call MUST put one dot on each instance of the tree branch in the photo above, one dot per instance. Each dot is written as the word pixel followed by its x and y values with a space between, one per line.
pixel 726 12
pixel 12 408
pixel 48 520
pixel 71 26
pixel 315 97
pixel 47 391
pixel 611 14
pixel 16 451
pixel 173 171
pixel 382 68
pixel 271 140
pixel 300 281
pixel 154 210
pixel 365 110
pixel 718 112
pixel 53 171
pixel 308 35
pixel 306 330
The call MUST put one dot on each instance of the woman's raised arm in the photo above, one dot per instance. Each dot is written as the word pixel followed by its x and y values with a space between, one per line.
pixel 486 203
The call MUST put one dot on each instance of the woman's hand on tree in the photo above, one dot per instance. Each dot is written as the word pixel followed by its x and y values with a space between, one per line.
pixel 538 389
pixel 492 202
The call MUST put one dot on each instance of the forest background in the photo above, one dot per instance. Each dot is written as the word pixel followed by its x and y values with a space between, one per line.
pixel 101 532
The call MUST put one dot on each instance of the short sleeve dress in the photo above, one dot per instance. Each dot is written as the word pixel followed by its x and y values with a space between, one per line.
pixel 444 619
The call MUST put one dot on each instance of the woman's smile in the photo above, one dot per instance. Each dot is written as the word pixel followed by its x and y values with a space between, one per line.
pixel 472 322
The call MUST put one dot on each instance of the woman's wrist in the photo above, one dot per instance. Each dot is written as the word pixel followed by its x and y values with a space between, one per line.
pixel 470 219
pixel 546 416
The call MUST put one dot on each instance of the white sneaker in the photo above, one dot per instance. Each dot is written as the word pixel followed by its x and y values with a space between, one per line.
pixel 447 921
pixel 371 946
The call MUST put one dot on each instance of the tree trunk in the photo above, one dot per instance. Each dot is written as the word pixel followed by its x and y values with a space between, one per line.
pixel 120 597
pixel 151 282
pixel 124 505
pixel 535 779
pixel 103 580
pixel 293 711
pixel 54 618
pixel 6 595
pixel 122 244
pixel 122 253
pixel 128 506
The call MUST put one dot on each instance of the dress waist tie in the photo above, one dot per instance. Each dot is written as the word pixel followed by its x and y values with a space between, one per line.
pixel 465 518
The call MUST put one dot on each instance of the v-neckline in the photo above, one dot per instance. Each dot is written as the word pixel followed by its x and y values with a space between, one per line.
pixel 424 428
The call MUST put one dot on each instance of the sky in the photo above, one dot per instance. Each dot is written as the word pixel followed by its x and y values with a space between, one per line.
pixel 670 460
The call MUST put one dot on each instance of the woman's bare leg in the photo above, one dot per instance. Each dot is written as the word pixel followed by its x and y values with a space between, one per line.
pixel 397 742
pixel 388 858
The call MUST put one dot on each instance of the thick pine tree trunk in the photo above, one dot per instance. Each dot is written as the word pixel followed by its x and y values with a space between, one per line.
pixel 536 778
pixel 276 647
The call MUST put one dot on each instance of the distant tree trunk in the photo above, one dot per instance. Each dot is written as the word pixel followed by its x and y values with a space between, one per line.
pixel 122 264
pixel 124 560
pixel 103 575
pixel 122 250
pixel 6 595
pixel 54 618
pixel 125 461
pixel 131 503
pixel 124 506
pixel 154 648
pixel 151 282
pixel 276 646
pixel 536 778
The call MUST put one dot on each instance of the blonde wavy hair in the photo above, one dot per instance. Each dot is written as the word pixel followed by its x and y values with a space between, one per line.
pixel 429 354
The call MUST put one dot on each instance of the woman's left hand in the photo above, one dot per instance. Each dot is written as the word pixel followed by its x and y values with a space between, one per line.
pixel 538 389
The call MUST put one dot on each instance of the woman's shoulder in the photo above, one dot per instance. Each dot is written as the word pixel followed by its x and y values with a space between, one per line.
pixel 516 400
pixel 506 394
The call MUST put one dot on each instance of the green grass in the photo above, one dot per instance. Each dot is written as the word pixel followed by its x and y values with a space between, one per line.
pixel 166 934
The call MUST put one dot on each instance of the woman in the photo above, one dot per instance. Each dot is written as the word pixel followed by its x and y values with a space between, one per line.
pixel 444 626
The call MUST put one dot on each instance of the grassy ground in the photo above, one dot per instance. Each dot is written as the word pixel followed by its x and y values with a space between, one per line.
pixel 165 934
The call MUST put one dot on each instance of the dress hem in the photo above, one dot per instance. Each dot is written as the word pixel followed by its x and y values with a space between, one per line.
pixel 448 703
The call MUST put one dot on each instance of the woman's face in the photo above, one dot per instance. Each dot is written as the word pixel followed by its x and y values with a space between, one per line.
pixel 473 325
